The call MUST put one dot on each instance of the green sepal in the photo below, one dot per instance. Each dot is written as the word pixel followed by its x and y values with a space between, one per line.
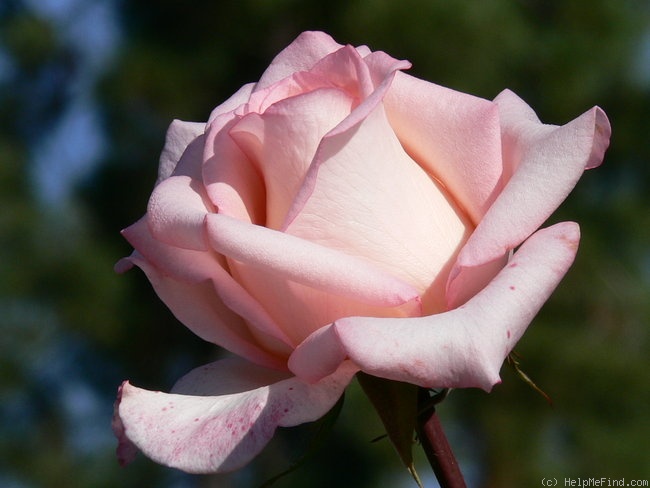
pixel 397 406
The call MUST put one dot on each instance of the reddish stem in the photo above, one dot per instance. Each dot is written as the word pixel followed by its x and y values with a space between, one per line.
pixel 435 445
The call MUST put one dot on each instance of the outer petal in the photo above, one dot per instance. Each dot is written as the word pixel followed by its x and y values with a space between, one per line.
pixel 200 310
pixel 187 268
pixel 179 202
pixel 179 135
pixel 176 211
pixel 453 136
pixel 548 162
pixel 183 264
pixel 226 429
pixel 464 347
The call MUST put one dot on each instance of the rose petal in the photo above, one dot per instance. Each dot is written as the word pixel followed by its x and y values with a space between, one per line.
pixel 461 348
pixel 178 203
pixel 302 109
pixel 304 286
pixel 382 65
pixel 304 262
pixel 126 451
pixel 366 197
pixel 549 160
pixel 176 211
pixel 465 282
pixel 301 55
pixel 183 264
pixel 231 181
pixel 283 142
pixel 344 70
pixel 240 97
pixel 291 117
pixel 319 355
pixel 347 70
pixel 225 377
pixel 197 306
pixel 453 136
pixel 179 135
pixel 223 431
pixel 194 268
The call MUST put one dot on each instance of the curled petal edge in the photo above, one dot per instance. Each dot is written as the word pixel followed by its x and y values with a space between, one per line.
pixel 462 348
pixel 547 162
pixel 180 135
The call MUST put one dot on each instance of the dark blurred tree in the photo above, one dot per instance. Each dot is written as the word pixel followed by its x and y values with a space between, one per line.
pixel 72 326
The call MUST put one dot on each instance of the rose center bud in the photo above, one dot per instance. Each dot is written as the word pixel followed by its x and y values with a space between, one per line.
pixel 343 181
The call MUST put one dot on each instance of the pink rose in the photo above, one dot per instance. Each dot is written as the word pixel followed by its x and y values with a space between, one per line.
pixel 341 216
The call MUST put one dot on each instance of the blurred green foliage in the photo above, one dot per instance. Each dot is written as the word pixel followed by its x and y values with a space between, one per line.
pixel 72 330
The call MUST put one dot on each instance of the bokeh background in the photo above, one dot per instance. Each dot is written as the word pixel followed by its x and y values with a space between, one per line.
pixel 87 89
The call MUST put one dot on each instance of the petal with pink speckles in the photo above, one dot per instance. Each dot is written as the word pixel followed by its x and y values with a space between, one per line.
pixel 221 415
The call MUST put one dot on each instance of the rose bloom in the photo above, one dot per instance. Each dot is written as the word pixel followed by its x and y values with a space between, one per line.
pixel 340 216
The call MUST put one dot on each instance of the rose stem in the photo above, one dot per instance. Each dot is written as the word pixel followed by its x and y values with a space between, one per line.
pixel 435 444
